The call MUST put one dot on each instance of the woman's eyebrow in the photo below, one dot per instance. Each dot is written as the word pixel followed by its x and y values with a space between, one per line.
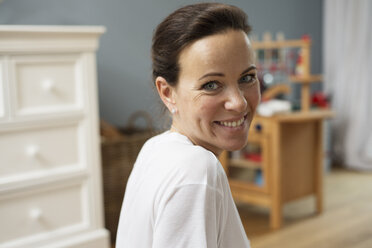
pixel 248 69
pixel 219 74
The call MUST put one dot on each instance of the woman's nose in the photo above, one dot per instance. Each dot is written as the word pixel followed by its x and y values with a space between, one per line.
pixel 236 101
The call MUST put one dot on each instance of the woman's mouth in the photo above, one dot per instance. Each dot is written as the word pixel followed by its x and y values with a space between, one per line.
pixel 234 123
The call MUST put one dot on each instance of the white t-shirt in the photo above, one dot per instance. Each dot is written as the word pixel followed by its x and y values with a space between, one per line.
pixel 178 196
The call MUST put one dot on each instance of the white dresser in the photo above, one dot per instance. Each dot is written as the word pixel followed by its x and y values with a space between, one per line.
pixel 50 175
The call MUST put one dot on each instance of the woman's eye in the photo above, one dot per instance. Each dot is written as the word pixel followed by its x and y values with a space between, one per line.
pixel 213 85
pixel 247 78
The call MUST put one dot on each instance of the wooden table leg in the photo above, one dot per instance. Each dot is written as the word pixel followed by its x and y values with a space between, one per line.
pixel 276 216
pixel 276 204
pixel 224 161
pixel 318 177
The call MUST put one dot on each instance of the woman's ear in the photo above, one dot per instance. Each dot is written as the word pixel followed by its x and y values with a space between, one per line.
pixel 166 93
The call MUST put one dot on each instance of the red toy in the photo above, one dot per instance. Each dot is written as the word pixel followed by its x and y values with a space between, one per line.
pixel 319 100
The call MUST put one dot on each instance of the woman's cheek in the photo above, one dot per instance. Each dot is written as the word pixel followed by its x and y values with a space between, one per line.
pixel 254 97
pixel 207 110
pixel 210 105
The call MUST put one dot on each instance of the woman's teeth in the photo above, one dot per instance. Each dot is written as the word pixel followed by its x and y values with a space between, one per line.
pixel 232 123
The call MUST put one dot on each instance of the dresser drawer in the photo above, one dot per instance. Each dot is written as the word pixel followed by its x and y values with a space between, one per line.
pixel 46 83
pixel 42 212
pixel 40 150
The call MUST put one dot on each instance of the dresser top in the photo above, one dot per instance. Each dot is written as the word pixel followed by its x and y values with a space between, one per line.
pixel 52 29
pixel 39 39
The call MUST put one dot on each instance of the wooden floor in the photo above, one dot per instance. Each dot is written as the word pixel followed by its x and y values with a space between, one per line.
pixel 346 220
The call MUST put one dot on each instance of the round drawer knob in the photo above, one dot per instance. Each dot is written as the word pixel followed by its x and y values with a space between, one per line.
pixel 48 85
pixel 35 214
pixel 258 127
pixel 32 151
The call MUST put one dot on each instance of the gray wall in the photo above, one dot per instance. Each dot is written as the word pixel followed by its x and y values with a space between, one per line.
pixel 124 66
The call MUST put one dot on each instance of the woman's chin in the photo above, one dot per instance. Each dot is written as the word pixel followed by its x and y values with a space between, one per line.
pixel 232 139
pixel 234 146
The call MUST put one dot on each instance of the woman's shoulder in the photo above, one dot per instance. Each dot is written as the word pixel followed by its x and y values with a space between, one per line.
pixel 179 147
pixel 177 155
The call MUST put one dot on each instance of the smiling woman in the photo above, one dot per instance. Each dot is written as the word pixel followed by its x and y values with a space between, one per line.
pixel 178 194
pixel 216 90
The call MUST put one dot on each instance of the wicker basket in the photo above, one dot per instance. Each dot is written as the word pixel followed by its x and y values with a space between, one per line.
pixel 118 157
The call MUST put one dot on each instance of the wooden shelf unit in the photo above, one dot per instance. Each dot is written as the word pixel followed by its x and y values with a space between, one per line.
pixel 292 149
pixel 306 78
pixel 244 163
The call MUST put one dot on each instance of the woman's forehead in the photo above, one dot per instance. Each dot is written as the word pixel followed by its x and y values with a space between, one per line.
pixel 217 52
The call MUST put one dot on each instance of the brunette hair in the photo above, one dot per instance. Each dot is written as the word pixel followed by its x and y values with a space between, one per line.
pixel 186 25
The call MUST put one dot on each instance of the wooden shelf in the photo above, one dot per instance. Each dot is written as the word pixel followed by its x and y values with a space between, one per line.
pixel 244 163
pixel 244 185
pixel 300 116
pixel 306 79
pixel 280 44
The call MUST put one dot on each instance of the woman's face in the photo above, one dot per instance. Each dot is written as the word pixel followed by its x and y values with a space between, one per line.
pixel 217 92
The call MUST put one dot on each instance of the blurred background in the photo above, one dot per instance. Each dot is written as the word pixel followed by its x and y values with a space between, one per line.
pixel 124 58
pixel 341 52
